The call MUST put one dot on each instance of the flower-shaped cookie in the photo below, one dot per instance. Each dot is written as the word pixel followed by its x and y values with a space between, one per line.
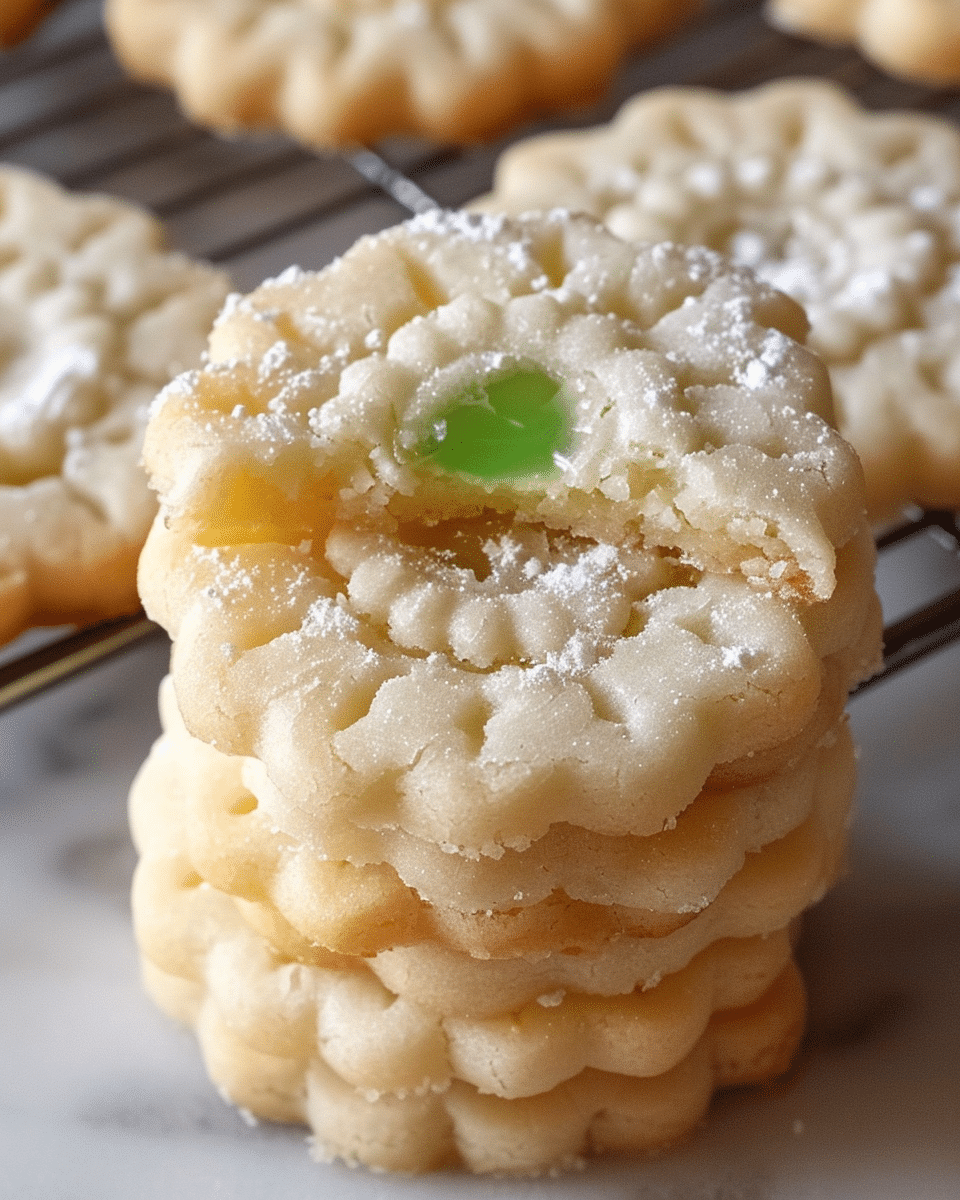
pixel 384 1081
pixel 268 1030
pixel 335 72
pixel 18 18
pixel 626 441
pixel 95 317
pixel 854 214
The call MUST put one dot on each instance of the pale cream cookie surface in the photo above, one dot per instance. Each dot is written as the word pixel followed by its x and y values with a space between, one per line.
pixel 569 892
pixel 19 18
pixel 912 39
pixel 95 316
pixel 385 1081
pixel 855 214
pixel 407 645
pixel 338 72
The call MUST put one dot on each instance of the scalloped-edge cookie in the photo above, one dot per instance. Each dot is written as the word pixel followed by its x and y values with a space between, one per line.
pixel 338 72
pixel 913 39
pixel 772 888
pixel 95 316
pixel 385 1044
pixel 408 644
pixel 581 891
pixel 266 1020
pixel 853 213
pixel 594 1113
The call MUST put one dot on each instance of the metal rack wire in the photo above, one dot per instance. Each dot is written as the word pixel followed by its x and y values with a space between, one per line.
pixel 255 205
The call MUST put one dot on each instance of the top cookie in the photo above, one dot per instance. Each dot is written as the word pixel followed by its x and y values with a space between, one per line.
pixel 915 39
pixel 340 72
pixel 854 214
pixel 494 524
pixel 95 317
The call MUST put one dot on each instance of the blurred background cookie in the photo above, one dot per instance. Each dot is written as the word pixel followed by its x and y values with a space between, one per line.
pixel 852 213
pixel 18 18
pixel 95 315
pixel 342 72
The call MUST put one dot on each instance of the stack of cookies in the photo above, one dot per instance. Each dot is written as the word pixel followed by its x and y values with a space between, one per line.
pixel 335 73
pixel 517 580
pixel 96 314
pixel 913 39
pixel 18 18
pixel 853 213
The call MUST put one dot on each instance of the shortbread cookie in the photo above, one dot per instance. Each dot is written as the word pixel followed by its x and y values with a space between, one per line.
pixel 773 887
pixel 852 213
pixel 594 1113
pixel 334 72
pixel 286 1011
pixel 913 39
pixel 18 18
pixel 383 1043
pixel 569 891
pixel 673 496
pixel 418 1127
pixel 498 533
pixel 95 316
pixel 262 1017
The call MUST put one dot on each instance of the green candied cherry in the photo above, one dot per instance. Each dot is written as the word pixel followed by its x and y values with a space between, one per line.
pixel 504 427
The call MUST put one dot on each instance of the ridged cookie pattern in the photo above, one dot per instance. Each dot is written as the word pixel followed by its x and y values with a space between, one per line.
pixel 283 1039
pixel 853 213
pixel 494 783
pixel 592 1113
pixel 568 892
pixel 917 40
pixel 342 72
pixel 383 1044
pixel 770 890
pixel 95 316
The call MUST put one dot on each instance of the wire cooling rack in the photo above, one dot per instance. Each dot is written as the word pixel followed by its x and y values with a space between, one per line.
pixel 256 205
